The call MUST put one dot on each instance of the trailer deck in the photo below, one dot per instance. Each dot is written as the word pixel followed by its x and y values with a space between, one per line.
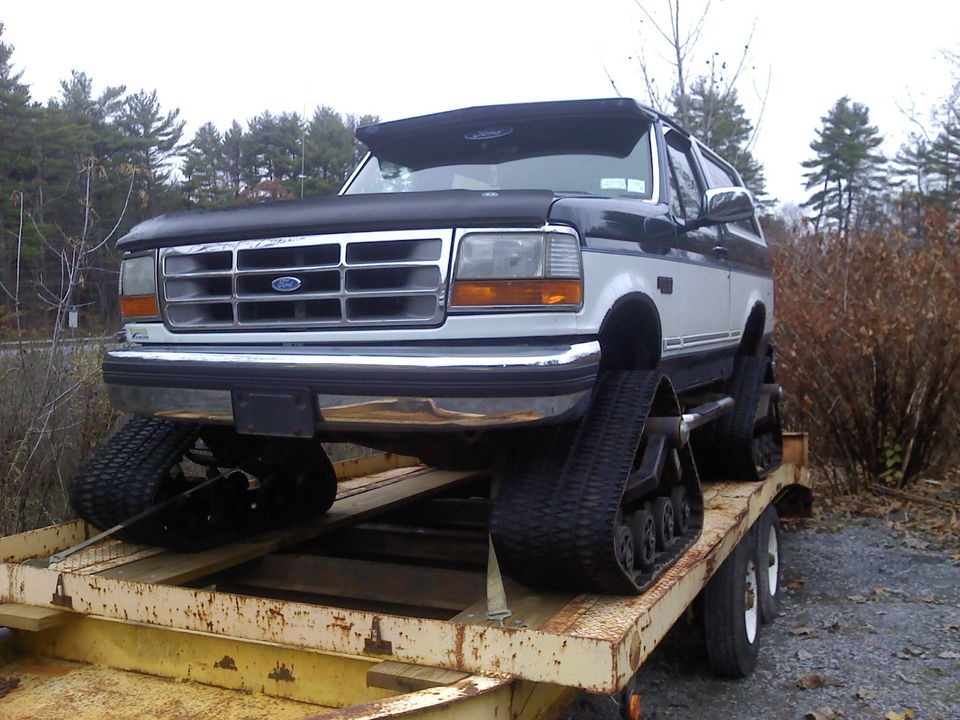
pixel 370 611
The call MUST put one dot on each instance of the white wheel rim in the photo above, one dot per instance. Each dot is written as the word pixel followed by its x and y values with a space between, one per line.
pixel 773 563
pixel 750 617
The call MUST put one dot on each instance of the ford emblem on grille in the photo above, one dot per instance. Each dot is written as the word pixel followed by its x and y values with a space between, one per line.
pixel 286 283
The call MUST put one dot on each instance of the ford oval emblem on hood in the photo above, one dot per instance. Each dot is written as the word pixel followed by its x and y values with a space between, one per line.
pixel 286 283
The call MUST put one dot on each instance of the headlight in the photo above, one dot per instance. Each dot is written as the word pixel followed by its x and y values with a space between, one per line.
pixel 518 270
pixel 138 287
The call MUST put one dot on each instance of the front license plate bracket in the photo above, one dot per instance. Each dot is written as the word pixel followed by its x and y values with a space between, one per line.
pixel 281 413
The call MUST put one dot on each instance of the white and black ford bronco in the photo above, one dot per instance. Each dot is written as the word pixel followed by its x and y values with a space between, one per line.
pixel 578 290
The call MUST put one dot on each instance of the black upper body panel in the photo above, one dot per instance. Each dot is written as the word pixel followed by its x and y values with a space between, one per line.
pixel 387 134
pixel 335 214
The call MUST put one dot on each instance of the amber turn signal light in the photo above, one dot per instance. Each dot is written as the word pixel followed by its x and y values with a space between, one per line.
pixel 504 293
pixel 139 306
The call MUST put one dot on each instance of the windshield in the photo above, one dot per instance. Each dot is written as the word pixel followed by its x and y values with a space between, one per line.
pixel 597 155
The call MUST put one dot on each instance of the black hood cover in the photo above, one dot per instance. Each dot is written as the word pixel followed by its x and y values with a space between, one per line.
pixel 344 213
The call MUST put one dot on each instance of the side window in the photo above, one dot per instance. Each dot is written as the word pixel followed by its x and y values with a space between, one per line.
pixel 685 195
pixel 719 176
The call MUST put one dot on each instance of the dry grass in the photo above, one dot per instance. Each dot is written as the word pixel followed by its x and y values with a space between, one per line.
pixel 53 413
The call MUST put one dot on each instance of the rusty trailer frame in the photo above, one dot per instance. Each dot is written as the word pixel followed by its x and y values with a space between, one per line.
pixel 117 609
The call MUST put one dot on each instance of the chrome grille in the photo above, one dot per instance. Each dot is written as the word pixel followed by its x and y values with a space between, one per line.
pixel 363 279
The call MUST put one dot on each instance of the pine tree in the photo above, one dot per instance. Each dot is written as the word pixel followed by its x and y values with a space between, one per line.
pixel 720 122
pixel 205 178
pixel 154 145
pixel 913 166
pixel 233 158
pixel 945 153
pixel 271 153
pixel 18 119
pixel 846 168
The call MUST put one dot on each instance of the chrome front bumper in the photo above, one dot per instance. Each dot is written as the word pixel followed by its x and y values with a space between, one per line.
pixel 397 388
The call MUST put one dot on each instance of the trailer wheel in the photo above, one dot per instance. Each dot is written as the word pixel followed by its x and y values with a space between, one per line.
pixel 768 564
pixel 732 613
pixel 631 701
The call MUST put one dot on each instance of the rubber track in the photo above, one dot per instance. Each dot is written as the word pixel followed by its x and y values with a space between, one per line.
pixel 554 520
pixel 729 452
pixel 133 471
pixel 122 477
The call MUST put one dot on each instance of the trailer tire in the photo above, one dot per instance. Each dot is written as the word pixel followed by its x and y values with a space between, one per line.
pixel 731 613
pixel 769 564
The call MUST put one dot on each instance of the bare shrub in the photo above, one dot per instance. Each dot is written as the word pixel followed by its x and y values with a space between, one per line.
pixel 869 340
pixel 53 413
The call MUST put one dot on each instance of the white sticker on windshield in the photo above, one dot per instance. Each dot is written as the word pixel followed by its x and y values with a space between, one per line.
pixel 613 184
pixel 636 186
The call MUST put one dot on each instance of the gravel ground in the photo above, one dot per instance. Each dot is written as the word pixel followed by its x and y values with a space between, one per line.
pixel 870 624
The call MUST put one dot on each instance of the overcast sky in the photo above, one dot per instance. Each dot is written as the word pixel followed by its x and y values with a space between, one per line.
pixel 220 61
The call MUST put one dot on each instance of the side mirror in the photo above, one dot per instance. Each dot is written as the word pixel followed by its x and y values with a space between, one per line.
pixel 726 204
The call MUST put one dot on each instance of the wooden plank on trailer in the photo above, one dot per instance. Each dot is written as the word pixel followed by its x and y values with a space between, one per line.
pixel 411 542
pixel 175 569
pixel 405 677
pixel 370 464
pixel 796 449
pixel 400 584
pixel 28 617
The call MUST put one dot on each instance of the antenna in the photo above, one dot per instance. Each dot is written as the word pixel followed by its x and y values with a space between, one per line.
pixel 303 148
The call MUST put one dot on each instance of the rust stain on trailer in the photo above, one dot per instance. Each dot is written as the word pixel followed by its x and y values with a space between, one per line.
pixel 281 673
pixel 226 663
pixel 340 622
pixel 569 614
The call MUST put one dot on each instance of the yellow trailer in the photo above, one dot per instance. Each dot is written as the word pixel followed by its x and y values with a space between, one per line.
pixel 370 611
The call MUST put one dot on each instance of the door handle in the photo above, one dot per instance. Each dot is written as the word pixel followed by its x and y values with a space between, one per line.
pixel 720 251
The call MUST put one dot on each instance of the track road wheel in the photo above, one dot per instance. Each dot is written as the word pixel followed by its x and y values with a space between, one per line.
pixel 662 510
pixel 644 531
pixel 680 499
pixel 624 545
pixel 732 613
pixel 768 564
